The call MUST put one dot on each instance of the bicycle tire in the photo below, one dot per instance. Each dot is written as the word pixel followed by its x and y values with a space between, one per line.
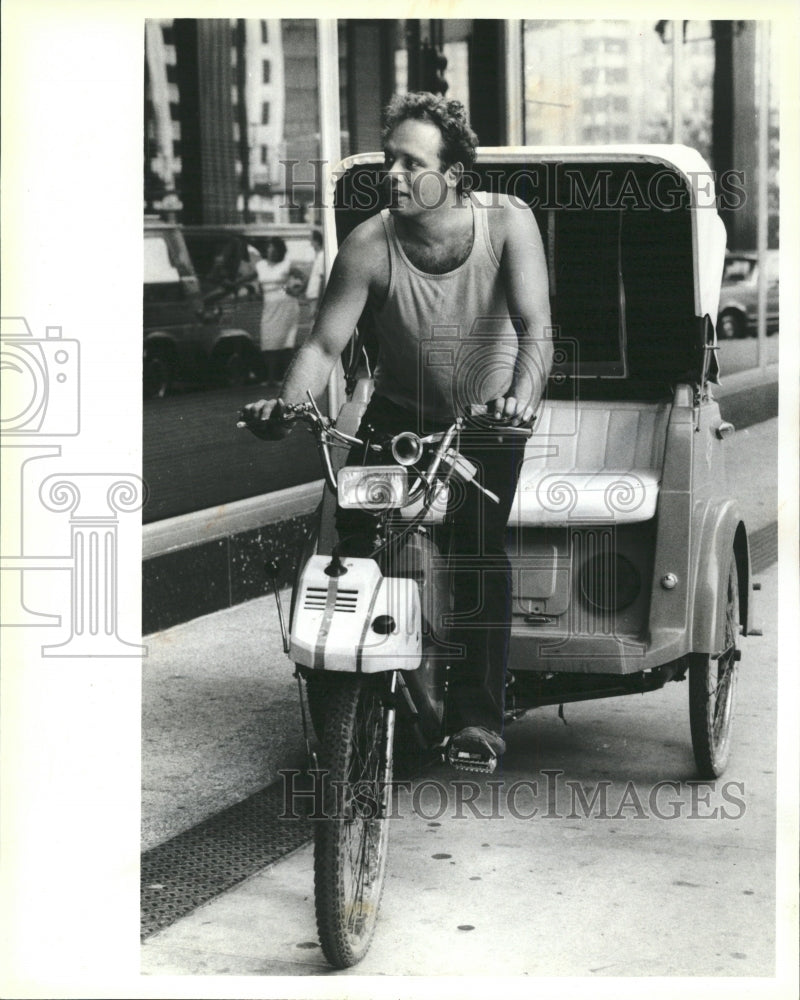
pixel 350 843
pixel 712 690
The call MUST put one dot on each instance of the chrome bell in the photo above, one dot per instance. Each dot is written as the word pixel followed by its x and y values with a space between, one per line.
pixel 406 448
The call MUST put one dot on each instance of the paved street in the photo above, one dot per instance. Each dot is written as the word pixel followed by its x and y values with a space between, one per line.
pixel 194 457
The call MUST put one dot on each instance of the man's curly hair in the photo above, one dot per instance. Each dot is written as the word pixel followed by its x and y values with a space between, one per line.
pixel 450 117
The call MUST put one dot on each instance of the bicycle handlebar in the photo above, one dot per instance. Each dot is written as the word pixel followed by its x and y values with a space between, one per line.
pixel 326 434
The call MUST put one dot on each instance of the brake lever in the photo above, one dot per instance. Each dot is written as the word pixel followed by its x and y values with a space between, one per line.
pixel 326 425
pixel 492 496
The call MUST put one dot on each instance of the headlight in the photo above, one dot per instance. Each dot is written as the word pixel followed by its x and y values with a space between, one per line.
pixel 372 487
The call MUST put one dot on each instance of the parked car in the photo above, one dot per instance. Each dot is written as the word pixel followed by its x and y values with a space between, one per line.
pixel 738 301
pixel 224 259
pixel 188 336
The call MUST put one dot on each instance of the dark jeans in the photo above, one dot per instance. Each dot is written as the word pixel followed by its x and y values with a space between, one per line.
pixel 479 564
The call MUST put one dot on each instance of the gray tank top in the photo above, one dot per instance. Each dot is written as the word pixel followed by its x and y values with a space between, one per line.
pixel 445 340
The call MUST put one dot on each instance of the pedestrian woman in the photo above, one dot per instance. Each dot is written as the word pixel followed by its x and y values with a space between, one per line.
pixel 280 311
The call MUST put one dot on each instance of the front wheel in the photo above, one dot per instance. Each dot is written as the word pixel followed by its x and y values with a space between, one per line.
pixel 350 843
pixel 712 690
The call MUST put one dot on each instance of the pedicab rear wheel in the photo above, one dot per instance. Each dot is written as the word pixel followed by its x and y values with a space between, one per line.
pixel 350 844
pixel 712 690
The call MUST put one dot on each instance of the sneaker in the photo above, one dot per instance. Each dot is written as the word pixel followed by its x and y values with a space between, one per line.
pixel 475 749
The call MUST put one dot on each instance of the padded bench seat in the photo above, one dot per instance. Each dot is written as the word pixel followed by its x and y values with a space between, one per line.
pixel 587 462
pixel 592 461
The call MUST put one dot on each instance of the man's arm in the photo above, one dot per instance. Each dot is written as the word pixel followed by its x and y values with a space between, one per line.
pixel 341 307
pixel 523 268
pixel 342 304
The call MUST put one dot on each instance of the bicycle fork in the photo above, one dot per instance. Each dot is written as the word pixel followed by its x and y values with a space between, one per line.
pixel 389 714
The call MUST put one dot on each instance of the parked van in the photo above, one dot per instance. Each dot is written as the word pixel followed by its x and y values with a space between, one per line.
pixel 188 336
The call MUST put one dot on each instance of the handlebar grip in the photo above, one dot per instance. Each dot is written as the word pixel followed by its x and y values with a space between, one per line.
pixel 502 428
pixel 520 433
pixel 274 428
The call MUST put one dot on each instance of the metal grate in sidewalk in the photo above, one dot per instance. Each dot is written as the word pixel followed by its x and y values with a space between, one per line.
pixel 212 857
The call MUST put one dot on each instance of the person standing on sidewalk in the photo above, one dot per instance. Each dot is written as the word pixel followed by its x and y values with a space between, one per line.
pixel 312 293
pixel 280 312
pixel 442 266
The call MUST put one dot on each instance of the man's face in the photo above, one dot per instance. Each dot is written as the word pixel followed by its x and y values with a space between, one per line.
pixel 412 158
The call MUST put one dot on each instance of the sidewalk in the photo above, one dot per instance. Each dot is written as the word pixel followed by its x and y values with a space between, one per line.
pixel 683 886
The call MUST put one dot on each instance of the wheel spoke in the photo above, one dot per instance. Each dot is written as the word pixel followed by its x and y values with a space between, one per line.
pixel 722 697
pixel 712 685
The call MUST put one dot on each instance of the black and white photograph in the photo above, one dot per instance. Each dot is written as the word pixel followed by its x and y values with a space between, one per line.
pixel 416 612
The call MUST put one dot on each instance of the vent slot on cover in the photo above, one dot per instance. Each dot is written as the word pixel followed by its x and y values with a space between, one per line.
pixel 316 599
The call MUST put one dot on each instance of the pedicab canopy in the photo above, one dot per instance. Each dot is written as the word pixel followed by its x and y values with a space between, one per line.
pixel 635 249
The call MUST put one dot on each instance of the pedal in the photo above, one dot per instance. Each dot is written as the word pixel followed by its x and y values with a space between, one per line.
pixel 465 760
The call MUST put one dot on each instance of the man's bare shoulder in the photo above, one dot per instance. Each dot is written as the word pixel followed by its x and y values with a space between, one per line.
pixel 364 242
pixel 508 217
pixel 364 251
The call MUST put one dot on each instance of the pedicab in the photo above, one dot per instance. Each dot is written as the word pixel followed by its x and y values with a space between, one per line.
pixel 630 557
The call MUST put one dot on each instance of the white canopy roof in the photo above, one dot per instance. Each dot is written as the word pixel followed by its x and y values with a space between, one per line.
pixel 708 232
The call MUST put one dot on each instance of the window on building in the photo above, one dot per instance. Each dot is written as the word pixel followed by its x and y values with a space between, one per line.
pixel 622 72
pixel 595 104
pixel 246 187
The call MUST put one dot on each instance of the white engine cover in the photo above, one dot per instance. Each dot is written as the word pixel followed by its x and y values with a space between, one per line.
pixel 332 628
